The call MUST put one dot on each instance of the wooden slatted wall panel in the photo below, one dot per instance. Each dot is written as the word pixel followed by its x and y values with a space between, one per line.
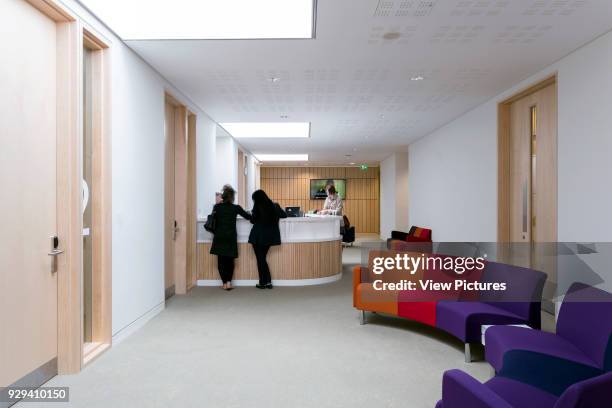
pixel 307 260
pixel 290 186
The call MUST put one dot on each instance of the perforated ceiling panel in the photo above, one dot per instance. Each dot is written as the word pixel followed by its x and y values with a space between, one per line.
pixel 404 8
pixel 380 73
pixel 554 7
pixel 477 8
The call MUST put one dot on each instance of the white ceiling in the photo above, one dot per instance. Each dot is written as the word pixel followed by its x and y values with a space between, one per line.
pixel 355 87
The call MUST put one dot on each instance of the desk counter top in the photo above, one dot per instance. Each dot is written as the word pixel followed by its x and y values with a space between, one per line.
pixel 299 229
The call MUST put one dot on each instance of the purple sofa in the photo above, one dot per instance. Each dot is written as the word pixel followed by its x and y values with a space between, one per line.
pixel 570 369
pixel 459 390
pixel 519 304
pixel 580 349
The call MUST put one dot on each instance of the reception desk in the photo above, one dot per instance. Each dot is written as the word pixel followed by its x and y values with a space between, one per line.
pixel 310 253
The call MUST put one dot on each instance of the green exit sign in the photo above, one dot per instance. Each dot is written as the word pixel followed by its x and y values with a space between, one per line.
pixel 364 167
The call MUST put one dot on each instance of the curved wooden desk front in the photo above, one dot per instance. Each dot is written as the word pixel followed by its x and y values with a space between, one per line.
pixel 310 254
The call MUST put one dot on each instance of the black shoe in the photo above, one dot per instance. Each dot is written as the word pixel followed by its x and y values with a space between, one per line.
pixel 260 286
pixel 269 286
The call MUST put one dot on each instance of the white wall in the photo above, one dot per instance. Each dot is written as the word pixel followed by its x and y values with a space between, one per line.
pixel 453 179
pixel 387 196
pixel 394 194
pixel 252 179
pixel 206 150
pixel 217 162
pixel 453 171
pixel 137 180
pixel 401 192
pixel 226 170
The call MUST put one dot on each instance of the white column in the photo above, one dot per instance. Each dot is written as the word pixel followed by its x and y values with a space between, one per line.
pixel 206 135
pixel 394 194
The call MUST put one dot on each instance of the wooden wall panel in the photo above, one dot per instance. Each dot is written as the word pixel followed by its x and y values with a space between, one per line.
pixel 290 186
pixel 304 260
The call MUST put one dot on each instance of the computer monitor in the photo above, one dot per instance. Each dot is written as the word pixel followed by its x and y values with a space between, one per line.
pixel 292 211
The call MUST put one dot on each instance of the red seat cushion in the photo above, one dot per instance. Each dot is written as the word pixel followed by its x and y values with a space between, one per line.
pixel 424 312
pixel 419 234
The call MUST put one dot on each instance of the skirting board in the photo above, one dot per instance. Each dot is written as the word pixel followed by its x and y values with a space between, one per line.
pixel 35 379
pixel 131 328
pixel 278 282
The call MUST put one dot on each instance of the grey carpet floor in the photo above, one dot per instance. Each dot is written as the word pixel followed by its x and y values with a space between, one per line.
pixel 286 347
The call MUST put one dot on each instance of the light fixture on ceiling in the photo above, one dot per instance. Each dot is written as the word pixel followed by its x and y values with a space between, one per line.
pixel 284 116
pixel 417 78
pixel 352 163
pixel 392 35
pixel 274 79
pixel 207 19
pixel 280 157
pixel 268 129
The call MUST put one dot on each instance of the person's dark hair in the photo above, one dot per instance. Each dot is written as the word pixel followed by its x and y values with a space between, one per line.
pixel 331 190
pixel 262 204
pixel 228 194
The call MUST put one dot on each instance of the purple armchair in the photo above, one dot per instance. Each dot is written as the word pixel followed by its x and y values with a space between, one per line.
pixel 581 348
pixel 459 390
pixel 519 304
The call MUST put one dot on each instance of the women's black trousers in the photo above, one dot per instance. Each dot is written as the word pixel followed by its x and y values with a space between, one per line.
pixel 261 251
pixel 226 267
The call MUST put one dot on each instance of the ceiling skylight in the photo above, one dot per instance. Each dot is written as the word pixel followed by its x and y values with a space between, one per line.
pixel 268 130
pixel 281 157
pixel 206 19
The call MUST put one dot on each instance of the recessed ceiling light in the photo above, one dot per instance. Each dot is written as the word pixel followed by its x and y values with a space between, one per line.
pixel 352 163
pixel 392 35
pixel 268 129
pixel 206 19
pixel 417 78
pixel 280 157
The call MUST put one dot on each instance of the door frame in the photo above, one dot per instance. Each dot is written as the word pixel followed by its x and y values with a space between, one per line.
pixel 72 34
pixel 503 155
pixel 192 207
pixel 101 193
pixel 184 195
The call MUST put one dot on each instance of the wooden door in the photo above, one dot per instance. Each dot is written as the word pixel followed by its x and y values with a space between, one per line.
pixel 533 167
pixel 28 208
pixel 533 183
pixel 176 186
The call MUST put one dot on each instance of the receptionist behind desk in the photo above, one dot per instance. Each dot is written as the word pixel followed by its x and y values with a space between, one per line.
pixel 333 203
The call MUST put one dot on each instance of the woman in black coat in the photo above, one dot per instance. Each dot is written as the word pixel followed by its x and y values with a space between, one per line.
pixel 265 233
pixel 224 243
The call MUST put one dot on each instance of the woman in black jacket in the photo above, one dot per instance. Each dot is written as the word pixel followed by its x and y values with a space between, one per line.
pixel 224 243
pixel 265 233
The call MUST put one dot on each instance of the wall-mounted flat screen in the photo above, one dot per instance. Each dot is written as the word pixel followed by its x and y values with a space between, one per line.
pixel 318 188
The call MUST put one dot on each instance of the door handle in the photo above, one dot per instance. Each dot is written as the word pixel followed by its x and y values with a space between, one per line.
pixel 55 251
pixel 175 231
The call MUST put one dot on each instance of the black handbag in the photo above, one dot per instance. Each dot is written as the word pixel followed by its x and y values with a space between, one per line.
pixel 211 223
